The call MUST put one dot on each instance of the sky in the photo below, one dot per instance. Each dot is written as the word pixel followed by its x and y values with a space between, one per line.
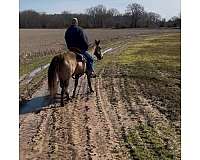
pixel 166 8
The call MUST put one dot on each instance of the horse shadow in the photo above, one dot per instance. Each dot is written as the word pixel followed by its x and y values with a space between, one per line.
pixel 35 104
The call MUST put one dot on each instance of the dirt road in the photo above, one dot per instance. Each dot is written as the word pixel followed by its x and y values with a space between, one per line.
pixel 83 129
pixel 90 127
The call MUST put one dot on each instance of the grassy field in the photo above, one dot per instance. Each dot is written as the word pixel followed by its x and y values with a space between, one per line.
pixel 150 68
pixel 27 67
pixel 154 64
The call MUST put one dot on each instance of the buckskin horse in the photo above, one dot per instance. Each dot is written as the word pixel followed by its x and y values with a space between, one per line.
pixel 67 65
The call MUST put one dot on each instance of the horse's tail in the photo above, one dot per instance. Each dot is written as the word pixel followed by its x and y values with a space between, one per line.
pixel 52 75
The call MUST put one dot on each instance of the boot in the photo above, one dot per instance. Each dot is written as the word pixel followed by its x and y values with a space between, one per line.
pixel 92 74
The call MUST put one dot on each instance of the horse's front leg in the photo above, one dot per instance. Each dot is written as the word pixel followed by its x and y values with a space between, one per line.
pixel 89 83
pixel 75 86
pixel 62 93
pixel 62 96
pixel 66 89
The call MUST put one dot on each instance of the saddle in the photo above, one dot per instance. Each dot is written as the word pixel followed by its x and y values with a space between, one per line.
pixel 79 56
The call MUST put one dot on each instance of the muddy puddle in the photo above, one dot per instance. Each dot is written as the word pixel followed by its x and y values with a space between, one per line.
pixel 25 79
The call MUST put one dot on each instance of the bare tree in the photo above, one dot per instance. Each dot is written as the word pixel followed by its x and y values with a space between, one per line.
pixel 163 22
pixel 135 11
pixel 175 22
pixel 113 12
pixel 109 19
pixel 153 19
pixel 97 14
pixel 30 18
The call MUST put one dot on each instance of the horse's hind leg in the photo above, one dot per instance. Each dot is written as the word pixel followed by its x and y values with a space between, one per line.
pixel 62 92
pixel 75 86
pixel 89 83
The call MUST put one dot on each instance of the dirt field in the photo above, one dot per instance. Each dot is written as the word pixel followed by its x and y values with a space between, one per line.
pixel 47 40
pixel 134 112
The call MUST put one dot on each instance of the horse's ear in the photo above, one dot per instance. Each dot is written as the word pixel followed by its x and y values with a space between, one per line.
pixel 97 42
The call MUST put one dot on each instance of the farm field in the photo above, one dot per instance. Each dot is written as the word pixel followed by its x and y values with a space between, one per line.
pixel 47 40
pixel 134 112
pixel 37 47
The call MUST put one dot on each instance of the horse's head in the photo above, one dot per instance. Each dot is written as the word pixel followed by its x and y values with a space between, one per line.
pixel 97 50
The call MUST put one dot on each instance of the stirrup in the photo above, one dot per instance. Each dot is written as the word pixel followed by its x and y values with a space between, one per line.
pixel 92 75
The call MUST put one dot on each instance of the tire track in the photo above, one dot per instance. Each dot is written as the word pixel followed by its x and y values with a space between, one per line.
pixel 60 134
pixel 57 139
pixel 123 120
pixel 81 127
pixel 38 139
pixel 29 134
pixel 117 149
pixel 78 135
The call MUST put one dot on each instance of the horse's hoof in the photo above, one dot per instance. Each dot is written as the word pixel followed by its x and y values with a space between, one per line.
pixel 73 96
pixel 69 99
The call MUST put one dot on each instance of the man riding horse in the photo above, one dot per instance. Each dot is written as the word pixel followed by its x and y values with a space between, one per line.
pixel 77 41
pixel 71 63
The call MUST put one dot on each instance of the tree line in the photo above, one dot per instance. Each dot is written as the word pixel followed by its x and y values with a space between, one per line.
pixel 99 17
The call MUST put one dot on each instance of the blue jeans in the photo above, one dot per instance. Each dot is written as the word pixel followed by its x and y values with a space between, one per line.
pixel 89 59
